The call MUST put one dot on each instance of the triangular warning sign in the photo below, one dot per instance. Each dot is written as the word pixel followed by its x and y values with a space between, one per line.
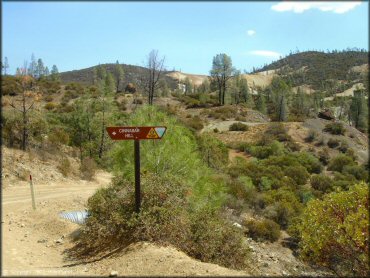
pixel 152 134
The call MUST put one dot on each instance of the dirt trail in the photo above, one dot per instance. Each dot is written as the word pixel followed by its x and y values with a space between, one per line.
pixel 34 241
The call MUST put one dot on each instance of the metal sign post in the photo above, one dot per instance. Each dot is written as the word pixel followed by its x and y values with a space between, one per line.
pixel 136 133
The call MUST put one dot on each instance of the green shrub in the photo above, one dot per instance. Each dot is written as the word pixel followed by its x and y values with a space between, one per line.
pixel 334 232
pixel 64 166
pixel 324 156
pixel 333 143
pixel 50 105
pixel 343 146
pixel 214 153
pixel 298 173
pixel 58 136
pixel 322 183
pixel 165 217
pixel 263 230
pixel 277 131
pixel 310 162
pixel 238 127
pixel 88 168
pixel 357 171
pixel 194 123
pixel 335 128
pixel 312 135
pixel 262 152
pixel 337 163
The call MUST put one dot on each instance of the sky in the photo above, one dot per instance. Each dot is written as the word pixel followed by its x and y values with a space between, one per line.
pixel 76 35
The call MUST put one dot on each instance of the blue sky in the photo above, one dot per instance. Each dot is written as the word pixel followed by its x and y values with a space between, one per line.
pixel 79 35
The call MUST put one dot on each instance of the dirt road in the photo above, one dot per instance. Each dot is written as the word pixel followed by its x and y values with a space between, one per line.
pixel 34 241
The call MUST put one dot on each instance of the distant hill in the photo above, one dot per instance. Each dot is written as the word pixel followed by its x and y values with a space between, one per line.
pixel 322 70
pixel 132 75
pixel 311 71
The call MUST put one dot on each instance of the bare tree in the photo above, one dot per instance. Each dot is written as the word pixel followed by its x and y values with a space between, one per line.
pixel 154 70
pixel 26 84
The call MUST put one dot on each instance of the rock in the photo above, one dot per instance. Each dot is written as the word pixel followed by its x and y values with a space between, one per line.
pixel 265 264
pixel 113 273
pixel 60 241
pixel 235 224
pixel 284 273
pixel 85 269
pixel 42 241
pixel 22 225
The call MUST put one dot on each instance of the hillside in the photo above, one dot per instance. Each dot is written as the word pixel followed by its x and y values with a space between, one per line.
pixel 132 74
pixel 322 70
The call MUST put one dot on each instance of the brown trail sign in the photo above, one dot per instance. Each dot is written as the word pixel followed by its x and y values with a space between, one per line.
pixel 136 133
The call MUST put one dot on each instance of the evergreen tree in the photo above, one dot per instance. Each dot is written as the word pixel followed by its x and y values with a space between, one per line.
pixel 55 73
pixel 5 66
pixel 47 72
pixel 40 69
pixel 33 66
pixel 359 110
pixel 119 75
pixel 261 104
pixel 204 87
pixel 222 70
pixel 188 86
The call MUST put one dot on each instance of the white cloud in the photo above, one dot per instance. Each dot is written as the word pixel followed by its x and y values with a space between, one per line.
pixel 300 7
pixel 265 53
pixel 251 32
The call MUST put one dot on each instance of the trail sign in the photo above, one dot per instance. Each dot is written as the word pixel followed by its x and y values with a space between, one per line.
pixel 136 133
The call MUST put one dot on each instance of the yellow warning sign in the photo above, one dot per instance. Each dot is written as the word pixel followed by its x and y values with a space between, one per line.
pixel 152 134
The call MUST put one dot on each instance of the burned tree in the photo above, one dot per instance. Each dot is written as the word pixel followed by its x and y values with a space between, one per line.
pixel 154 70
pixel 26 85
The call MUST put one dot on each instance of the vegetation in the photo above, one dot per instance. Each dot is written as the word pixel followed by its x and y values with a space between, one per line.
pixel 238 127
pixel 263 230
pixel 336 128
pixel 334 231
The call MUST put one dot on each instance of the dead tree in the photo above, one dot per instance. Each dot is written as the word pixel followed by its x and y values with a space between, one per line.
pixel 153 72
pixel 27 83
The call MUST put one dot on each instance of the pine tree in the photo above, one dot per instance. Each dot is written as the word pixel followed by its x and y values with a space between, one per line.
pixel 55 73
pixel 5 65
pixel 359 110
pixel 188 86
pixel 261 104
pixel 40 69
pixel 47 72
pixel 33 66
pixel 119 75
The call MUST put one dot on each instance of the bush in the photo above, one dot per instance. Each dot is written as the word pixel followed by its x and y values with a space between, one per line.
pixel 263 230
pixel 214 153
pixel 298 173
pixel 262 152
pixel 320 141
pixel 338 163
pixel 64 166
pixel 321 183
pixel 357 171
pixel 283 206
pixel 334 231
pixel 343 146
pixel 194 123
pixel 50 105
pixel 164 218
pixel 324 156
pixel 335 128
pixel 88 168
pixel 312 135
pixel 333 143
pixel 238 127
